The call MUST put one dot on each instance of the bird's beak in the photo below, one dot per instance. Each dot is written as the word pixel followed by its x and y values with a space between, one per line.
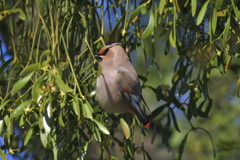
pixel 97 56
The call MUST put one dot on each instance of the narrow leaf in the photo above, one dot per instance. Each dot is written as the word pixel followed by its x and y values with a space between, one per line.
pixel 181 147
pixel 28 136
pixel 76 108
pixel 20 109
pixel 87 109
pixel 22 15
pixel 61 84
pixel 194 7
pixel 161 6
pixel 101 127
pixel 30 68
pixel 21 83
pixel 202 12
pixel 43 138
pixel 4 103
pixel 136 11
pixel 5 64
pixel 3 155
pixel 125 128
pixel 174 119
pixel 214 20
pixel 150 26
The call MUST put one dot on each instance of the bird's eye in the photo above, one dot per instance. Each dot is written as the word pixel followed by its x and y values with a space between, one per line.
pixel 106 51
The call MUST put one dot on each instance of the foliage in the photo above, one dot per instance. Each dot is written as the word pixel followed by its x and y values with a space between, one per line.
pixel 47 88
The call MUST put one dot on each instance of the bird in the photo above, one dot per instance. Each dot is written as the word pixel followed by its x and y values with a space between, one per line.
pixel 118 88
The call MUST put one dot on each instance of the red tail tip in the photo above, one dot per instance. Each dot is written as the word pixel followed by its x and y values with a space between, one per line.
pixel 148 124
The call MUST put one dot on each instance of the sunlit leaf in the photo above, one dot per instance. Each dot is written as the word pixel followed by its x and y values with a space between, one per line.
pixel 161 6
pixel 3 155
pixel 21 83
pixel 1 127
pixel 37 87
pixel 193 7
pixel 101 127
pixel 44 55
pixel 28 136
pixel 20 109
pixel 43 138
pixel 125 128
pixel 62 86
pixel 30 68
pixel 87 109
pixel 202 12
pixel 214 20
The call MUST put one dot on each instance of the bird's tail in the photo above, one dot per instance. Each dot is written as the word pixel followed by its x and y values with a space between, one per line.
pixel 142 117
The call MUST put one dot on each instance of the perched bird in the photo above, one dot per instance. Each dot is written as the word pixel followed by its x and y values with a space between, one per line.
pixel 118 88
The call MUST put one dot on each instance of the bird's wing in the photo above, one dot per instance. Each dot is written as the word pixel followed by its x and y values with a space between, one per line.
pixel 129 86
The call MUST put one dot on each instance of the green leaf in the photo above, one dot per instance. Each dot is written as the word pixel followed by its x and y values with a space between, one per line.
pixel 101 126
pixel 181 147
pixel 28 136
pixel 179 74
pixel 226 28
pixel 37 87
pixel 87 109
pixel 125 128
pixel 5 64
pixel 1 127
pixel 214 150
pixel 21 121
pixel 21 83
pixel 172 37
pixel 43 138
pixel 8 123
pixel 42 6
pixel 44 54
pixel 60 119
pixel 130 148
pixel 161 6
pixel 136 11
pixel 76 108
pixel 62 86
pixel 30 68
pixel 4 103
pixel 214 20
pixel 22 15
pixel 150 26
pixel 194 7
pixel 157 111
pixel 202 12
pixel 174 119
pixel 3 155
pixel 20 109
pixel 115 31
